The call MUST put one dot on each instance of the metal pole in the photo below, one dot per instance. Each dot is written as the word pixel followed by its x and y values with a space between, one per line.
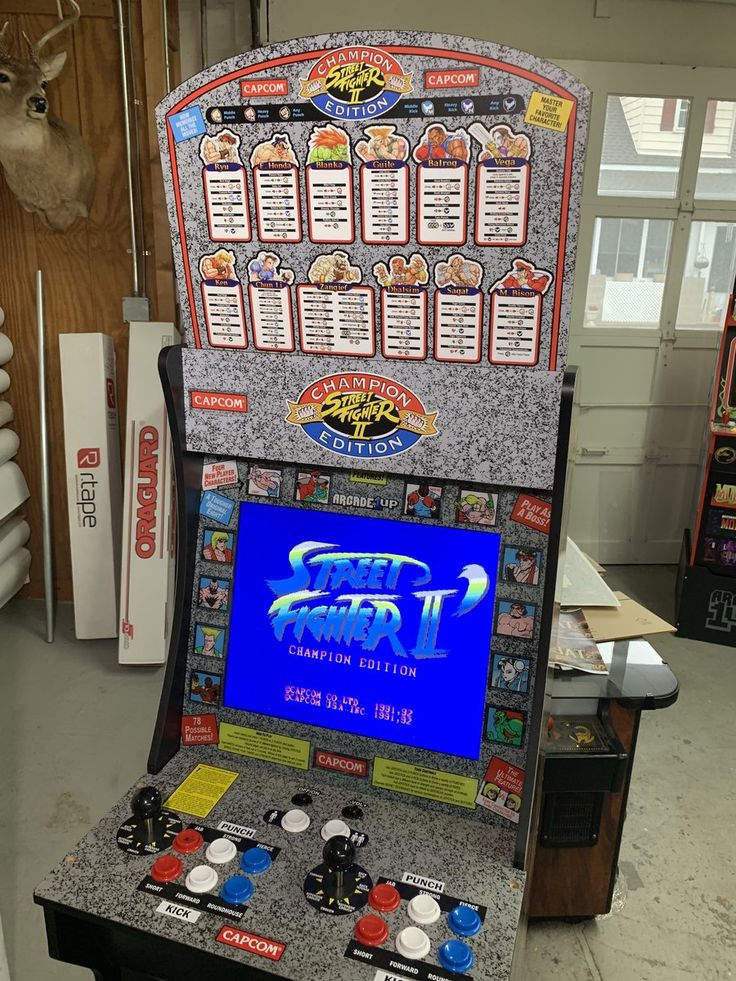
pixel 203 33
pixel 48 558
pixel 167 62
pixel 128 147
pixel 256 37
pixel 136 133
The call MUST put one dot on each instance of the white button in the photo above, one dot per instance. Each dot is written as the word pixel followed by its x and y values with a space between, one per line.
pixel 424 909
pixel 201 879
pixel 295 821
pixel 334 828
pixel 220 851
pixel 413 943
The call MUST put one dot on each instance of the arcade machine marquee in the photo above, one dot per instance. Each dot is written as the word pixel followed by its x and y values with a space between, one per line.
pixel 374 243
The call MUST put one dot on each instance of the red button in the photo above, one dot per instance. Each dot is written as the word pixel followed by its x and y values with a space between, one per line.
pixel 167 868
pixel 371 930
pixel 188 841
pixel 384 898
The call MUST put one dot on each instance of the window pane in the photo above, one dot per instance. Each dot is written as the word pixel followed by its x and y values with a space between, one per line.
pixel 627 272
pixel 717 168
pixel 709 275
pixel 642 146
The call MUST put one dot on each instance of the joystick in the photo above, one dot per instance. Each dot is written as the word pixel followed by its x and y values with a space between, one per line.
pixel 338 885
pixel 150 829
pixel 339 856
pixel 146 807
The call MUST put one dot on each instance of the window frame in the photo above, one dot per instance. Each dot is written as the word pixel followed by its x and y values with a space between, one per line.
pixel 699 86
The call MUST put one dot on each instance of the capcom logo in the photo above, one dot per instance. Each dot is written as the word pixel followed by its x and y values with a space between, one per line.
pixel 359 414
pixel 355 83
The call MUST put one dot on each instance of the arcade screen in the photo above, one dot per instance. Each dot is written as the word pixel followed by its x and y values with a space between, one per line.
pixel 374 627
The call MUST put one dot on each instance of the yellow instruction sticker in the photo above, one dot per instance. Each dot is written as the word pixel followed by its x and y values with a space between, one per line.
pixel 268 746
pixel 201 790
pixel 449 788
pixel 362 477
pixel 548 111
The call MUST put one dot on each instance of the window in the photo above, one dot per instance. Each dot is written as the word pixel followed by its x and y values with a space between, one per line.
pixel 710 268
pixel 717 166
pixel 681 112
pixel 662 257
pixel 627 272
pixel 643 139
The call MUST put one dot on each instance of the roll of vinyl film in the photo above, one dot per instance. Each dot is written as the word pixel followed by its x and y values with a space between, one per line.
pixel 6 348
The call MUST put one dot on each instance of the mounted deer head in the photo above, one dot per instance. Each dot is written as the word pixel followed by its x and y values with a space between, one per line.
pixel 47 165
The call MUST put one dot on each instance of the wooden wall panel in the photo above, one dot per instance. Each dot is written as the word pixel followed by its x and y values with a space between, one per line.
pixel 87 270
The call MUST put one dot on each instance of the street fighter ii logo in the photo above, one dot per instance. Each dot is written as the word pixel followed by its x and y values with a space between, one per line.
pixel 360 598
pixel 359 414
pixel 355 83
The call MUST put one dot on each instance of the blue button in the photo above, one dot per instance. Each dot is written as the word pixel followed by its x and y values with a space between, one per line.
pixel 255 860
pixel 456 956
pixel 237 890
pixel 464 921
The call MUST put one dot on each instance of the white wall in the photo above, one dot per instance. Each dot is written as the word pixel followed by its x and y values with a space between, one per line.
pixel 649 31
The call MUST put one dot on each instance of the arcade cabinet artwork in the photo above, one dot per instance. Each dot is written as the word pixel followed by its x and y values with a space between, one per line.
pixel 374 243
pixel 706 587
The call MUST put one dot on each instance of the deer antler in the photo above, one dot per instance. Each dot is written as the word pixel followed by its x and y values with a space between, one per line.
pixel 52 32
pixel 4 49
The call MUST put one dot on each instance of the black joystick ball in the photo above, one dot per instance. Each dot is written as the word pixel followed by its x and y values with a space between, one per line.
pixel 339 854
pixel 151 828
pixel 147 804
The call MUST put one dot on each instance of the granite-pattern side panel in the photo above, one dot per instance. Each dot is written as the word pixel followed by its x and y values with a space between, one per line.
pixel 494 424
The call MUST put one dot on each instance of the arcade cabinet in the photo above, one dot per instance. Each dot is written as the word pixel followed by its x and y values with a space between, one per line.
pixel 706 585
pixel 374 245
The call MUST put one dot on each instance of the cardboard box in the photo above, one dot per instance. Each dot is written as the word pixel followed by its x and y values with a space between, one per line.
pixel 94 490
pixel 149 534
pixel 631 619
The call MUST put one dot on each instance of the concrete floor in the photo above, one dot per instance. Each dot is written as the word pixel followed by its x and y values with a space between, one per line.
pixel 75 730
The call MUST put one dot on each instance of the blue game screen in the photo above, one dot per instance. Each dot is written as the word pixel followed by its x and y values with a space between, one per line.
pixel 374 627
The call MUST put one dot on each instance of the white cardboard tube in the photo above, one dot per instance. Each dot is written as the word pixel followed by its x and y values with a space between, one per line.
pixel 14 574
pixel 14 533
pixel 13 488
pixel 6 348
pixel 4 381
pixel 9 443
pixel 6 413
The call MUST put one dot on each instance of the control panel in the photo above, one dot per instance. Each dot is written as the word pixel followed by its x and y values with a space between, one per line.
pixel 318 854
pixel 304 881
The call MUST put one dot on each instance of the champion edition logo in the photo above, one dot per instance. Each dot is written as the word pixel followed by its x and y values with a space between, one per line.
pixel 355 83
pixel 363 415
